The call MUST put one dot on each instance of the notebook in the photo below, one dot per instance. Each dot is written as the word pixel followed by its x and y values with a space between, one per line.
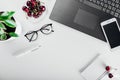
pixel 95 70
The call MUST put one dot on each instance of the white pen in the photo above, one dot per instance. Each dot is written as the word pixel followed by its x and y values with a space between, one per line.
pixel 102 75
pixel 26 50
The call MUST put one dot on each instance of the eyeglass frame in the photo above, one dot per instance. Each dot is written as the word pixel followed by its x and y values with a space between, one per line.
pixel 41 30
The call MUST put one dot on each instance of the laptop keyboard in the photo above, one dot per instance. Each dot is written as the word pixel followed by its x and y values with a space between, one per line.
pixel 109 6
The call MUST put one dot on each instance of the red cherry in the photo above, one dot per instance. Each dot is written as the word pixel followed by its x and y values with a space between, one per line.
pixel 25 9
pixel 33 4
pixel 110 75
pixel 40 12
pixel 33 0
pixel 28 3
pixel 107 68
pixel 35 15
pixel 42 8
pixel 29 14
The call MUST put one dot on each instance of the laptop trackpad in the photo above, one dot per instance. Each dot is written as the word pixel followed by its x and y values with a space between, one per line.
pixel 86 19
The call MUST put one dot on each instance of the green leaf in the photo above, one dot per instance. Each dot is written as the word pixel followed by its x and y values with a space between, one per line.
pixel 10 23
pixel 1 31
pixel 3 36
pixel 13 34
pixel 2 26
pixel 2 18
pixel 10 14
pixel 6 15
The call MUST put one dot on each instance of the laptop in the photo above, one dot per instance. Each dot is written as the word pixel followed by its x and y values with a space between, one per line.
pixel 86 15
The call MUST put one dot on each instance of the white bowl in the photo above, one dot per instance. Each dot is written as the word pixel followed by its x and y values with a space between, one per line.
pixel 40 18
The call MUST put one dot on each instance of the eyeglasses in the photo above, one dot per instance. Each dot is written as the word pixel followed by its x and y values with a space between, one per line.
pixel 33 35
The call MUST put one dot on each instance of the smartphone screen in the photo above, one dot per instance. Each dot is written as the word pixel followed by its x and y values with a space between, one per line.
pixel 112 34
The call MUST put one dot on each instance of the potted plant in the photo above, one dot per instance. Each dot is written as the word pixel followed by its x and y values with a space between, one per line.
pixel 8 26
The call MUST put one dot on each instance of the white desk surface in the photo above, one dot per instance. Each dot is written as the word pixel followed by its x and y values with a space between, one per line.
pixel 61 56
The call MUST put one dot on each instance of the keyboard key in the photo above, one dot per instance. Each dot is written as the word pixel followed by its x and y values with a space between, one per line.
pixel 105 1
pixel 117 1
pixel 106 5
pixel 113 8
pixel 104 9
pixel 112 12
pixel 113 4
pixel 109 2
pixel 117 5
pixel 118 10
pixel 102 4
pixel 116 15
pixel 107 11
pixel 109 7
pixel 98 2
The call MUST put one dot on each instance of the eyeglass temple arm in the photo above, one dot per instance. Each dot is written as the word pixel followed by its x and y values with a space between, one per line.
pixel 44 27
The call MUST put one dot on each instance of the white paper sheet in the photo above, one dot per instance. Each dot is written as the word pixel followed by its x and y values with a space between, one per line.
pixel 94 70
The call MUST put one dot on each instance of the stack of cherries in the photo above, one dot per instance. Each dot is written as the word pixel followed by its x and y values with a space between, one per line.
pixel 108 69
pixel 34 8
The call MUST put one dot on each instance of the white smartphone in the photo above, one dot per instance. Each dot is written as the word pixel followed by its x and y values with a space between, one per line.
pixel 111 31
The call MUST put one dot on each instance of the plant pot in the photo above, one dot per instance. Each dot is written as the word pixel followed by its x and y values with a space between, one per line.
pixel 17 30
